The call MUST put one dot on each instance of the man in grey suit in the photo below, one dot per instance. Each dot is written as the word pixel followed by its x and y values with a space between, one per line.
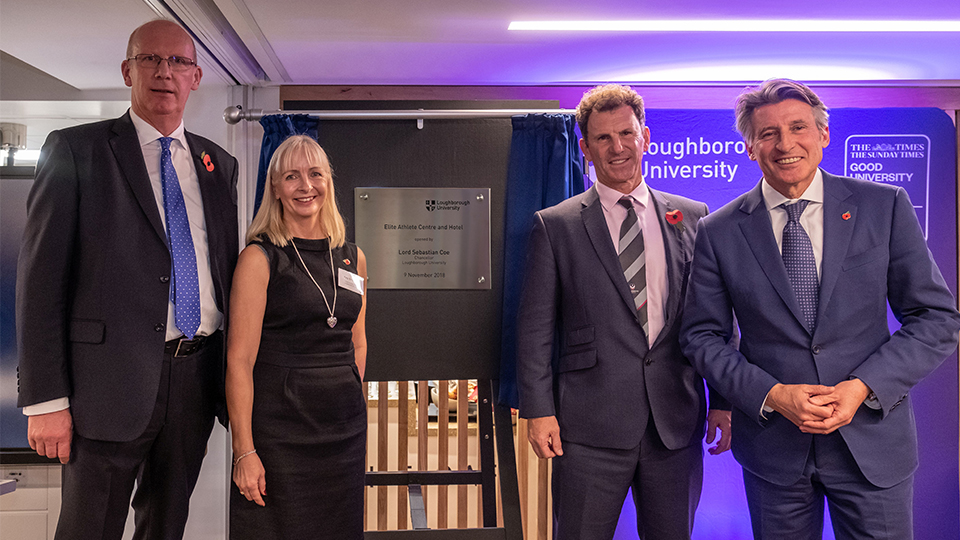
pixel 123 282
pixel 608 393
pixel 820 388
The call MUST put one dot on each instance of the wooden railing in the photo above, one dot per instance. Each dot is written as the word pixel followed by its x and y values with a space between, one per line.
pixel 404 435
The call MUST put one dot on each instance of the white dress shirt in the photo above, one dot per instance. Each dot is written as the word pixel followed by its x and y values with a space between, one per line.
pixel 811 220
pixel 210 317
pixel 653 248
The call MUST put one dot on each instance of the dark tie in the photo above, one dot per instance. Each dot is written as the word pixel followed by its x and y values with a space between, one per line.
pixel 800 263
pixel 633 261
pixel 185 286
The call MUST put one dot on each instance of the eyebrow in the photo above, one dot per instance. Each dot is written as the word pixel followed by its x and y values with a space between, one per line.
pixel 791 123
pixel 608 133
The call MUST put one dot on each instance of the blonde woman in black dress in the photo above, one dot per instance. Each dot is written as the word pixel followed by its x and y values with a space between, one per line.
pixel 296 354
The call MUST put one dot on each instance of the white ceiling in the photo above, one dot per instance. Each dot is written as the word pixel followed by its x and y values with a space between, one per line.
pixel 457 42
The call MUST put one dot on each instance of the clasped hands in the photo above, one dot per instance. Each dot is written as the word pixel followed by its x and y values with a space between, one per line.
pixel 818 409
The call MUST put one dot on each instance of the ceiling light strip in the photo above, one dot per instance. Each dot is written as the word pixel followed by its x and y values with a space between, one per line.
pixel 738 25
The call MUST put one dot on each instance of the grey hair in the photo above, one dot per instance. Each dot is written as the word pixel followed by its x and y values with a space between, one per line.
pixel 773 91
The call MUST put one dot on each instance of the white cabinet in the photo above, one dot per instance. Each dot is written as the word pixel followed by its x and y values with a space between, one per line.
pixel 31 511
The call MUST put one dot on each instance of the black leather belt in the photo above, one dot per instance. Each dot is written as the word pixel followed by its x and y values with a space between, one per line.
pixel 178 348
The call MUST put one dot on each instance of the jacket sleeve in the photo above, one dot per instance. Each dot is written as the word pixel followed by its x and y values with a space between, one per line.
pixel 921 301
pixel 44 274
pixel 709 332
pixel 536 326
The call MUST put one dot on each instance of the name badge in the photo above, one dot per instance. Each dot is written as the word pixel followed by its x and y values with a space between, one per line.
pixel 350 281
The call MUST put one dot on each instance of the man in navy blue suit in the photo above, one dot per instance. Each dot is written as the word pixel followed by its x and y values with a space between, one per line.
pixel 808 261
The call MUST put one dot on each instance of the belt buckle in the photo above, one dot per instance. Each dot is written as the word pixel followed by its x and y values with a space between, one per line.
pixel 180 342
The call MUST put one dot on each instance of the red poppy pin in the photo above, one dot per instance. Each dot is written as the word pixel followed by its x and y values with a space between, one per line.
pixel 206 161
pixel 346 262
pixel 846 216
pixel 675 218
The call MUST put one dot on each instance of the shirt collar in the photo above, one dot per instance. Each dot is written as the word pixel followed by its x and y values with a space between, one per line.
pixel 609 196
pixel 814 192
pixel 148 134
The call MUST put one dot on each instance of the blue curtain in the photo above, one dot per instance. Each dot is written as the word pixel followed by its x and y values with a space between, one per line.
pixel 545 169
pixel 276 128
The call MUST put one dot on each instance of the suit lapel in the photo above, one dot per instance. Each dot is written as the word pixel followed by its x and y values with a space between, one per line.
pixel 207 174
pixel 675 253
pixel 596 226
pixel 129 156
pixel 758 231
pixel 837 233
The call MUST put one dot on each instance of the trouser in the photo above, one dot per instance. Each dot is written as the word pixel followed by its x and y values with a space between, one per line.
pixel 858 509
pixel 590 485
pixel 164 461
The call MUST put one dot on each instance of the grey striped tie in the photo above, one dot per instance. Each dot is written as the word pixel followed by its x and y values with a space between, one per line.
pixel 633 261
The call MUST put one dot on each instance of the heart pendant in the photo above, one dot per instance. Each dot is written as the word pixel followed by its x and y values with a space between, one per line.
pixel 331 321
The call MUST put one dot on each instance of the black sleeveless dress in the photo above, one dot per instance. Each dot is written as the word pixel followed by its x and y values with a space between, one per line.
pixel 309 415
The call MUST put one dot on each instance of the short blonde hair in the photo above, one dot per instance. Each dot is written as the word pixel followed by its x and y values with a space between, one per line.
pixel 268 222
pixel 605 98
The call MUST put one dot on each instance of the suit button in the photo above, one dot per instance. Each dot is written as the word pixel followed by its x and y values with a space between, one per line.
pixel 648 361
pixel 158 327
pixel 164 279
pixel 816 349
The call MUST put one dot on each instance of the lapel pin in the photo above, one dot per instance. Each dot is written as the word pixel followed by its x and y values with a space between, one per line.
pixel 205 157
pixel 675 218
pixel 346 262
pixel 846 216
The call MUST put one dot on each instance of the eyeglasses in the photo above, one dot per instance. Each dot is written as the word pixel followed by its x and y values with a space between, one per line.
pixel 152 61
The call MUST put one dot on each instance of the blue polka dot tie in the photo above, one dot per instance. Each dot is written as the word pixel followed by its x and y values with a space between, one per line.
pixel 185 285
pixel 800 263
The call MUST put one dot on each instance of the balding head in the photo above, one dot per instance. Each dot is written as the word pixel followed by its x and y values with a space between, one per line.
pixel 152 28
pixel 160 84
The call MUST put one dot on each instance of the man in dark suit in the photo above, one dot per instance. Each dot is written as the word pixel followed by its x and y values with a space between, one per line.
pixel 120 334
pixel 608 393
pixel 808 262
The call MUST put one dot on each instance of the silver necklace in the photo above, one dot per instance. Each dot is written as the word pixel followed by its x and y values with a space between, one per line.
pixel 331 320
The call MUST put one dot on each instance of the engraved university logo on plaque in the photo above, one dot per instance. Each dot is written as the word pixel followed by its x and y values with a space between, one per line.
pixel 431 205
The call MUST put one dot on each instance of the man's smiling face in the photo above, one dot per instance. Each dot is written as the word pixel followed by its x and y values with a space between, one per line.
pixel 787 145
pixel 615 144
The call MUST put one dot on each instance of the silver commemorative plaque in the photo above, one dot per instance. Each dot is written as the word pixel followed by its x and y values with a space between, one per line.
pixel 424 238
